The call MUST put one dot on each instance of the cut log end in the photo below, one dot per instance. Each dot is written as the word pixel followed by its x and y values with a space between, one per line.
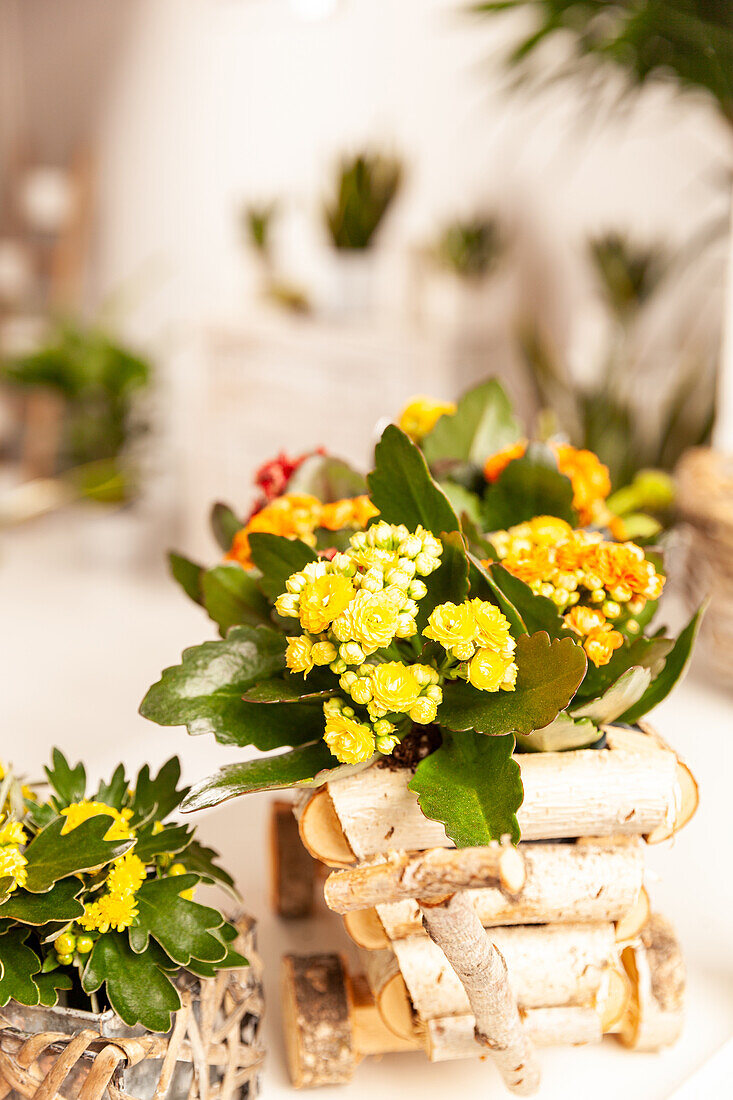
pixel 688 799
pixel 615 1001
pixel 292 868
pixel 656 970
pixel 321 831
pixel 366 929
pixel 317 1020
pixel 631 924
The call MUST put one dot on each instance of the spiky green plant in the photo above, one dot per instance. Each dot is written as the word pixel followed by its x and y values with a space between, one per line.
pixel 470 248
pixel 366 187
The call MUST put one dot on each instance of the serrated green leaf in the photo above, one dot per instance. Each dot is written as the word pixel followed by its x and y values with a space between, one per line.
pixel 161 795
pixel 39 813
pixel 18 964
pixel 674 668
pixel 68 783
pixel 232 597
pixel 181 927
pixel 402 489
pixel 5 883
pixel 188 574
pixel 561 735
pixel 609 706
pixel 49 986
pixel 268 773
pixel 482 424
pixel 171 839
pixel 548 676
pixel 138 990
pixel 57 904
pixel 327 478
pixel 200 860
pixel 233 960
pixel 277 558
pixel 473 786
pixel 224 524
pixel 205 691
pixel 529 486
pixel 114 792
pixel 52 856
pixel 538 612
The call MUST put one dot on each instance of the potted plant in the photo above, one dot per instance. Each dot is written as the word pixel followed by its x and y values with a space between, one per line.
pixel 106 959
pixel 365 188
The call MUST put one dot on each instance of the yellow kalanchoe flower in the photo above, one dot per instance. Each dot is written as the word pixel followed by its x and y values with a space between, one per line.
pixel 78 812
pixel 299 654
pixel 372 621
pixel 490 671
pixel 492 628
pixel 421 414
pixel 454 627
pixel 323 600
pixel 350 741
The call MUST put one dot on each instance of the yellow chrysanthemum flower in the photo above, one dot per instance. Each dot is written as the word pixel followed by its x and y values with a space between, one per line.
pixel 116 911
pixel 323 600
pixel 454 627
pixel 299 655
pixel 350 741
pixel 12 832
pixel 78 812
pixel 394 688
pixel 13 866
pixel 490 671
pixel 126 874
pixel 421 414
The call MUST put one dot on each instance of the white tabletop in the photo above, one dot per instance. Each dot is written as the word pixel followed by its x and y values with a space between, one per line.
pixel 81 643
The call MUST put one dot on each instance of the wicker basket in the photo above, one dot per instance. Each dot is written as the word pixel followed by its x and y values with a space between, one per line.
pixel 705 497
pixel 212 1052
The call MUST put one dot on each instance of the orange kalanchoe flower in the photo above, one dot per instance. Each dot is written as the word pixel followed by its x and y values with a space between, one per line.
pixel 589 477
pixel 297 516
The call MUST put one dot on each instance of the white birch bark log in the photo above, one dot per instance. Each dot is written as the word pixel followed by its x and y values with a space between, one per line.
pixel 565 883
pixel 456 931
pixel 430 874
pixel 452 1037
pixel 548 966
pixel 657 971
pixel 630 788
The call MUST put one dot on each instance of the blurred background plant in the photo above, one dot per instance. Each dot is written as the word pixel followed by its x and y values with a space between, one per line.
pixel 366 186
pixel 257 221
pixel 470 248
pixel 96 383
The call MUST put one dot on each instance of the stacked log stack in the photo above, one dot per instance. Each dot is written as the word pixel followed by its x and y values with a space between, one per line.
pixel 492 950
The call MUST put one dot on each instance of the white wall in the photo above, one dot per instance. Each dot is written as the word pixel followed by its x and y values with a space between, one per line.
pixel 217 100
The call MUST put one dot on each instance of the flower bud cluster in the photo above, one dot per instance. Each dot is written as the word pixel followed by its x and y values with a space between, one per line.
pixel 392 687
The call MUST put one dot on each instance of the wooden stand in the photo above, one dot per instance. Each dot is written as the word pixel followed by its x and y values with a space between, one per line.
pixel 490 950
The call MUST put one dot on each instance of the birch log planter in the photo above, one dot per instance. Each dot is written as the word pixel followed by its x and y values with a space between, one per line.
pixel 495 949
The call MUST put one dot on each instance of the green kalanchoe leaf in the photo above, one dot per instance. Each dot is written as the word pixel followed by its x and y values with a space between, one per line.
pixel 473 786
pixel 18 965
pixel 188 574
pixel 232 597
pixel 643 652
pixel 563 734
pixel 327 478
pixel 277 558
pixel 537 611
pixel 482 424
pixel 68 783
pixel 49 986
pixel 484 587
pixel 292 688
pixel 548 676
pixel 674 668
pixel 463 502
pixel 609 706
pixel 268 773
pixel 57 904
pixel 402 489
pixel 52 856
pixel 224 524
pixel 138 989
pixel 181 927
pixel 529 486
pixel 205 691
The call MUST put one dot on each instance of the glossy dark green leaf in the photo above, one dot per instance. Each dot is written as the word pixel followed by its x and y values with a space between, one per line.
pixel 138 990
pixel 402 489
pixel 52 856
pixel 172 838
pixel 160 795
pixel 49 986
pixel 463 502
pixel 233 597
pixel 674 668
pixel 18 965
pixel 267 773
pixel 205 691
pixel 232 960
pixel 58 904
pixel 277 558
pixel 188 574
pixel 181 927
pixel 473 786
pixel 450 581
pixel 114 792
pixel 292 688
pixel 327 478
pixel 224 524
pixel 482 424
pixel 67 782
pixel 529 486
pixel 538 612
pixel 548 676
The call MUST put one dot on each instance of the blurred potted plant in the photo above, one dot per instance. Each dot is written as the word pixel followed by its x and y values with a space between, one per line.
pixel 459 271
pixel 257 223
pixel 366 186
